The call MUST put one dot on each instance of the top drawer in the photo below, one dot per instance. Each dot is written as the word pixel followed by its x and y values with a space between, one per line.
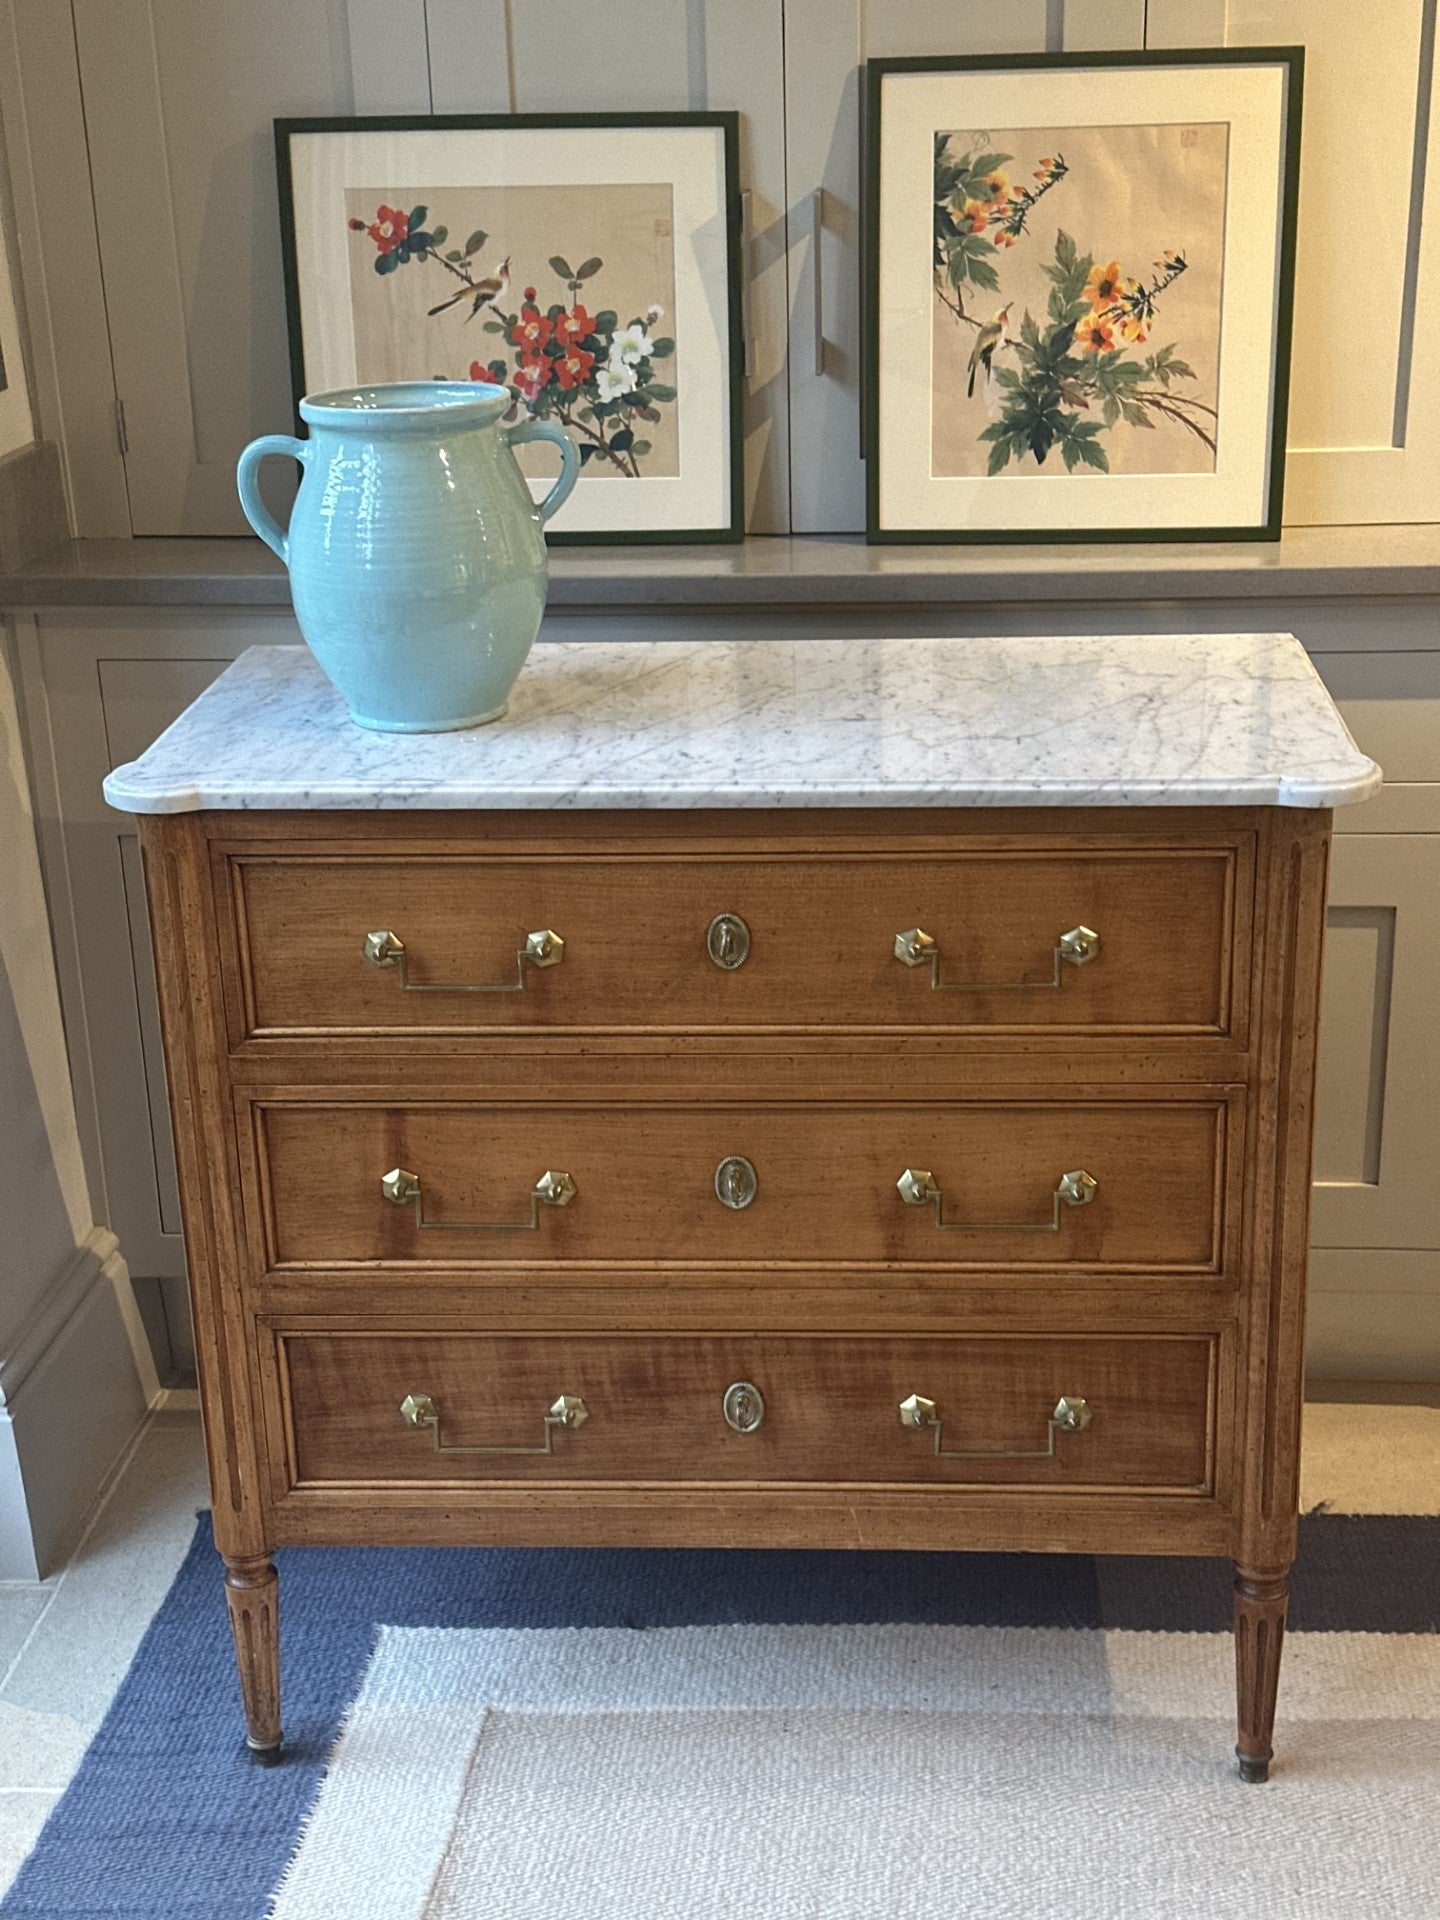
pixel 1052 940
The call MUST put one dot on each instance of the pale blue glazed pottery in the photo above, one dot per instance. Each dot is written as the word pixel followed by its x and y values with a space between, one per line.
pixel 416 555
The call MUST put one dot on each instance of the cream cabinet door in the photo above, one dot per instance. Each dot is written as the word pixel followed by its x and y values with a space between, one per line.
pixel 98 688
pixel 826 45
pixel 532 56
pixel 1379 1081
pixel 178 101
pixel 1364 432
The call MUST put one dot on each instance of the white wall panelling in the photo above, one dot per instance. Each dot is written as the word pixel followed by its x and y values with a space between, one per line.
pixel 60 270
pixel 825 43
pixel 1364 399
pixel 178 104
pixel 66 1311
pixel 98 689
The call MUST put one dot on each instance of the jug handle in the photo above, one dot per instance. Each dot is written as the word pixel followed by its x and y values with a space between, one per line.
pixel 569 464
pixel 246 479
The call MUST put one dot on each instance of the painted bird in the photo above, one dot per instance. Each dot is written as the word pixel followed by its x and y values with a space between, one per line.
pixel 986 341
pixel 481 294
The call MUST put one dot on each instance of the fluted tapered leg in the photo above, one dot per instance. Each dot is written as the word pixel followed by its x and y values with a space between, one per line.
pixel 252 1592
pixel 1261 1597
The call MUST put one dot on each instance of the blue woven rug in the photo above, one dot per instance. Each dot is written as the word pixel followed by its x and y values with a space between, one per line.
pixel 165 1817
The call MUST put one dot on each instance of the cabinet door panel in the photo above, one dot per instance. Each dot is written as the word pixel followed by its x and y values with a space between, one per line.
pixel 1364 434
pixel 178 104
pixel 690 57
pixel 826 45
pixel 1379 1053
pixel 99 688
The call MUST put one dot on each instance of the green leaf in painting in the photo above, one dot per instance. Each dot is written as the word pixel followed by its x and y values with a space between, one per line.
pixel 492 326
pixel 561 266
pixel 417 218
pixel 589 268
pixel 984 275
pixel 984 163
pixel 1094 455
pixel 662 393
pixel 999 456
pixel 640 448
pixel 438 236
pixel 453 254
pixel 662 349
pixel 386 262
pixel 623 440
pixel 476 241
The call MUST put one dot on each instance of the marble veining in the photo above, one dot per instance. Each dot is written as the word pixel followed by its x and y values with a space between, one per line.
pixel 1138 720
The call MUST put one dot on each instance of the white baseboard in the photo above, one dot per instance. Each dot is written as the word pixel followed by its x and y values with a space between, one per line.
pixel 176 1400
pixel 74 1386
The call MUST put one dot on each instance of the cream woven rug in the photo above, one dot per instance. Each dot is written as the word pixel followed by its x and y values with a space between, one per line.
pixel 854 1772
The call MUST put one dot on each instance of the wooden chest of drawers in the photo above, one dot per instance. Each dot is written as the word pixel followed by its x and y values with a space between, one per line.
pixel 830 1177
pixel 1003 1249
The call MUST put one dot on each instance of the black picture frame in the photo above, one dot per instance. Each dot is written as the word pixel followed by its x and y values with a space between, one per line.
pixel 1292 60
pixel 726 123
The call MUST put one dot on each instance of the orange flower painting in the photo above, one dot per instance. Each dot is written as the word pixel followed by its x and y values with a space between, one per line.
pixel 1050 347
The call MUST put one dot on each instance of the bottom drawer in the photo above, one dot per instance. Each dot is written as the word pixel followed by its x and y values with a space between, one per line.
pixel 1071 1410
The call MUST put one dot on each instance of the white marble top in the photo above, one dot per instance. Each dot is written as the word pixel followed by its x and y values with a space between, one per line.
pixel 1163 720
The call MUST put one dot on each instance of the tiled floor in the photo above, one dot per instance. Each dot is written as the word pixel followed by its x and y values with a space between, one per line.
pixel 65 1644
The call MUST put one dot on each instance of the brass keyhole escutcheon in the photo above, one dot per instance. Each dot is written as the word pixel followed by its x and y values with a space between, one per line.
pixel 743 1406
pixel 727 941
pixel 736 1182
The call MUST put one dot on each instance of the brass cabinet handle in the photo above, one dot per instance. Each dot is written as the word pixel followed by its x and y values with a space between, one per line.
pixel 543 948
pixel 418 1410
pixel 1076 948
pixel 1071 1415
pixel 917 1188
pixel 553 1189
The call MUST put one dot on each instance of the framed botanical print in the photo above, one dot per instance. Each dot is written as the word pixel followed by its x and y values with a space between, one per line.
pixel 588 262
pixel 1079 274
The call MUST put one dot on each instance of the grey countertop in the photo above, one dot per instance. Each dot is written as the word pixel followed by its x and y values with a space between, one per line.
pixel 815 571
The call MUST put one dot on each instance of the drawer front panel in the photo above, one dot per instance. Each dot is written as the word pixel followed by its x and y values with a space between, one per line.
pixel 1120 1185
pixel 1051 1412
pixel 817 948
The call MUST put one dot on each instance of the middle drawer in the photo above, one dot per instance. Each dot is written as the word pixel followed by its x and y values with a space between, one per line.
pixel 1121 1184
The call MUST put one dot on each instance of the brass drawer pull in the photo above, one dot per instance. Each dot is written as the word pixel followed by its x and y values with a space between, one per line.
pixel 418 1410
pixel 918 1189
pixel 1075 948
pixel 543 948
pixel 1071 1415
pixel 552 1189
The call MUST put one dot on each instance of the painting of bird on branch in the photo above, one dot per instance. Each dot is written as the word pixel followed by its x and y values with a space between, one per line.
pixel 1051 352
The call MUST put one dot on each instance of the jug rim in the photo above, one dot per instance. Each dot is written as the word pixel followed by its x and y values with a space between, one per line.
pixel 400 405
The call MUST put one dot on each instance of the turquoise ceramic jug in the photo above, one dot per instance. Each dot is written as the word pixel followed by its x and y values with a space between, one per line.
pixel 416 555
